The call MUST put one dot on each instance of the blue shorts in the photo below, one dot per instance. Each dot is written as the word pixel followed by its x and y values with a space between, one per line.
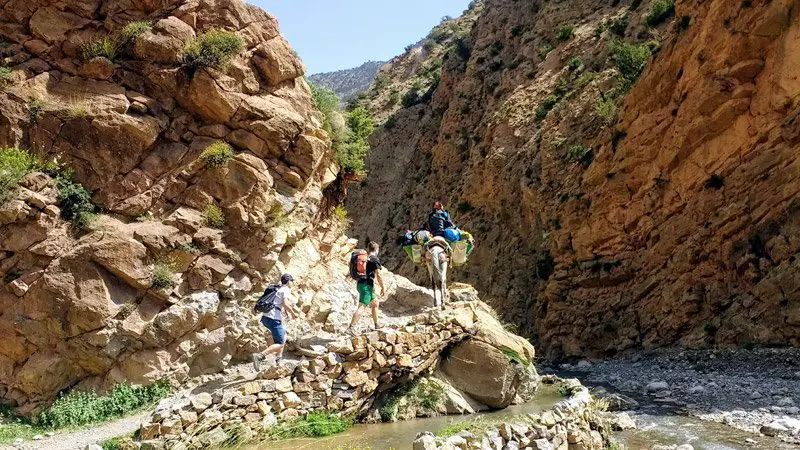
pixel 276 328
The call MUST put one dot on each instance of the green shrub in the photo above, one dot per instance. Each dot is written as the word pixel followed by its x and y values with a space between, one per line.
pixel 606 109
pixel 214 216
pixel 75 202
pixel 514 356
pixel 340 213
pixel 212 49
pixel 106 47
pixel 316 424
pixel 5 74
pixel 475 426
pixel 546 106
pixel 581 155
pixel 429 45
pixel 565 33
pixel 117 443
pixel 619 25
pixel 660 11
pixel 545 50
pixel 163 271
pixel 84 408
pixel 134 29
pixel 428 395
pixel 564 390
pixel 75 110
pixel 14 165
pixel 574 64
pixel 35 107
pixel 630 59
pixel 217 154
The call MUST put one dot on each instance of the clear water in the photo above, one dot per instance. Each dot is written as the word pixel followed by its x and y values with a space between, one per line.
pixel 653 428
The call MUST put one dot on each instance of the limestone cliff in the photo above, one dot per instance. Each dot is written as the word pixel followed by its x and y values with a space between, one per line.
pixel 613 210
pixel 106 88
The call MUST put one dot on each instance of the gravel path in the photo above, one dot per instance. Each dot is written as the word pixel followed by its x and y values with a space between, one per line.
pixel 78 440
pixel 753 390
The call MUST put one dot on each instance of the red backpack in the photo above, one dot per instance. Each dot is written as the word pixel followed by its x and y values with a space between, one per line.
pixel 358 264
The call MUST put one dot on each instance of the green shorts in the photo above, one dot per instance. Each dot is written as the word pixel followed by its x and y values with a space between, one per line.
pixel 366 293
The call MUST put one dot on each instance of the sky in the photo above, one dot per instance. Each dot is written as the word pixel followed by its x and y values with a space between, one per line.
pixel 333 35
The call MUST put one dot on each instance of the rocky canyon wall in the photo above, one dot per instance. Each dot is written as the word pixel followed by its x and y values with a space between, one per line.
pixel 611 217
pixel 82 306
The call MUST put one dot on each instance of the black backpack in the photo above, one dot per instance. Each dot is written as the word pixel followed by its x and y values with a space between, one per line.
pixel 437 221
pixel 266 303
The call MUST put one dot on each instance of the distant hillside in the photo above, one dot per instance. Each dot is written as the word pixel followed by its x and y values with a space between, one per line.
pixel 351 82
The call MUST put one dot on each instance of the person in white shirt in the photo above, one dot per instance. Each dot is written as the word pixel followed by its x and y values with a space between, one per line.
pixel 273 321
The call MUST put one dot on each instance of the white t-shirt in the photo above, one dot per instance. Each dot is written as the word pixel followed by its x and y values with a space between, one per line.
pixel 282 297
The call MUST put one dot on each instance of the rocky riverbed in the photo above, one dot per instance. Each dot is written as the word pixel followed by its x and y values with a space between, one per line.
pixel 754 390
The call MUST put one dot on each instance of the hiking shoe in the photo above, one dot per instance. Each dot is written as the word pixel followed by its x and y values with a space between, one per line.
pixel 258 358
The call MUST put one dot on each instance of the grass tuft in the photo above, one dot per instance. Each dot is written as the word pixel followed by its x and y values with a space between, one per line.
pixel 214 216
pixel 106 47
pixel 316 424
pixel 134 29
pixel 217 154
pixel 212 49
pixel 565 33
pixel 84 408
pixel 163 271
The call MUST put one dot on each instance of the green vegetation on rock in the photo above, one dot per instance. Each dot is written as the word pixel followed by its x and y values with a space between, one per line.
pixel 14 165
pixel 163 271
pixel 212 49
pixel 5 74
pixel 213 215
pixel 134 29
pixel 75 201
pixel 106 47
pixel 348 131
pixel 565 33
pixel 217 154
pixel 660 11
pixel 630 59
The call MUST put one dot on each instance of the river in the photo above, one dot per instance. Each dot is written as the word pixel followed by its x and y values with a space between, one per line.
pixel 653 428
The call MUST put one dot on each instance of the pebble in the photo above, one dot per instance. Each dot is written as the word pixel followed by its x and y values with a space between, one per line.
pixel 656 386
pixel 756 395
pixel 697 389
pixel 583 364
pixel 38 437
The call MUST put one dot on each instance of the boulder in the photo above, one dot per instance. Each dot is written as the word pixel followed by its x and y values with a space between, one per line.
pixel 425 441
pixel 276 62
pixel 483 372
pixel 165 42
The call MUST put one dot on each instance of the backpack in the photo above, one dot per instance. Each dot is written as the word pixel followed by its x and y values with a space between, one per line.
pixel 438 221
pixel 266 303
pixel 358 264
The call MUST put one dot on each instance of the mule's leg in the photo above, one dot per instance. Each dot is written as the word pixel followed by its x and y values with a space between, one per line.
pixel 429 263
pixel 445 291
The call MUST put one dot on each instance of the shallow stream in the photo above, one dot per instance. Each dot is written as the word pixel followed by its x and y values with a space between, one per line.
pixel 653 428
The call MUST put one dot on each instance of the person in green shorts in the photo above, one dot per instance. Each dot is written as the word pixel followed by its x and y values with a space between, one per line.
pixel 366 288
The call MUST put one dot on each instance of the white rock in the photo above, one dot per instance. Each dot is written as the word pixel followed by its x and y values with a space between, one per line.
pixel 93 447
pixel 772 429
pixel 38 437
pixel 791 423
pixel 697 389
pixel 583 364
pixel 656 386
pixel 425 441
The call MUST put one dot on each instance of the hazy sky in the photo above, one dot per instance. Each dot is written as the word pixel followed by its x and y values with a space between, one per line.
pixel 331 35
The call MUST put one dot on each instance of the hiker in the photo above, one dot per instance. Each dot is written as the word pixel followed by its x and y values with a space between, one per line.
pixel 365 268
pixel 438 220
pixel 276 298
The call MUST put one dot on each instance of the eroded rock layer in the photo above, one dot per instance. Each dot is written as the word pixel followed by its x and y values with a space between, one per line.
pixel 81 306
pixel 672 222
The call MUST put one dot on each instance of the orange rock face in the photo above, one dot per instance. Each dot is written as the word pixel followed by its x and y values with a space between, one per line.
pixel 675 223
pixel 83 307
